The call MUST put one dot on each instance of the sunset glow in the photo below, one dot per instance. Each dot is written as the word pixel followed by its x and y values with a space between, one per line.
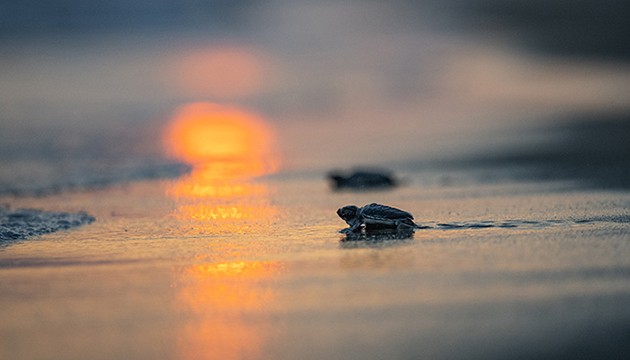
pixel 222 139
pixel 227 147
pixel 220 72
pixel 220 297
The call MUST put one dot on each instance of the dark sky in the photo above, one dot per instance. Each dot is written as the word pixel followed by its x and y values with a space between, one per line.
pixel 584 28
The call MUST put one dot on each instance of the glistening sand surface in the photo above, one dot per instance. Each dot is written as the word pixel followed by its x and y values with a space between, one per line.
pixel 262 274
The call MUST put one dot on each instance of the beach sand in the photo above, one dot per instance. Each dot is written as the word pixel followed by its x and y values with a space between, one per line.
pixel 265 274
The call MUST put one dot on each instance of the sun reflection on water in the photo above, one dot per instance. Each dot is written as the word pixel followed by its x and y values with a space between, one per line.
pixel 224 302
pixel 223 206
pixel 227 147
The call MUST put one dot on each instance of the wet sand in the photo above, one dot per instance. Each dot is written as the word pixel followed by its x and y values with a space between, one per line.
pixel 265 274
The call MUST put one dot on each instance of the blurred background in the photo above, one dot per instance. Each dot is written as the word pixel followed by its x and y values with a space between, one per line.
pixel 87 87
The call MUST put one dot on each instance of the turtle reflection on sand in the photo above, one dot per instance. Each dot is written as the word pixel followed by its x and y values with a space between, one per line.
pixel 376 217
pixel 378 238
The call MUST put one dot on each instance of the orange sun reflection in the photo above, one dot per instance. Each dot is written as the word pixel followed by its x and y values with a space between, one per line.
pixel 227 147
pixel 220 298
pixel 224 141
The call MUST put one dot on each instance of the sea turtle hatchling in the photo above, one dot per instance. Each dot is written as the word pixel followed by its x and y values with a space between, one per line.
pixel 362 179
pixel 376 216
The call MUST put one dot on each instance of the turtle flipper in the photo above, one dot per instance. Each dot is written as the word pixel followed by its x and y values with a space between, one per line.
pixel 355 226
pixel 406 224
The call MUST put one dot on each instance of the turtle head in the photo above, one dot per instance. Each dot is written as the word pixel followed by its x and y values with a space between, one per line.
pixel 337 178
pixel 348 213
